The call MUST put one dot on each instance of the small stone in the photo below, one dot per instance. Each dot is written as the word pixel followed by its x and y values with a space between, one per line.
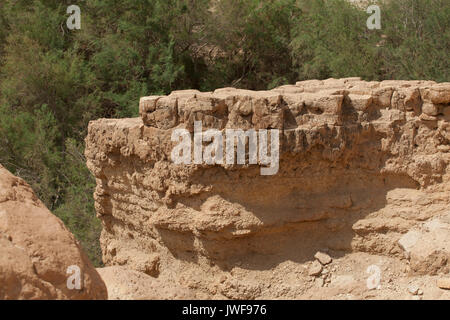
pixel 444 283
pixel 323 258
pixel 425 117
pixel 315 269
pixel 420 292
pixel 409 240
pixel 430 109
pixel 360 102
pixel 413 289
pixel 416 297
pixel 245 108
pixel 412 99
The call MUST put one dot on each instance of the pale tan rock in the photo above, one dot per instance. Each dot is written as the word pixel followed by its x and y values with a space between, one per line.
pixel 323 258
pixel 36 249
pixel 429 248
pixel 345 283
pixel 409 240
pixel 412 99
pixel 437 94
pixel 426 117
pixel 315 269
pixel 324 103
pixel 406 98
pixel 430 109
pixel 413 289
pixel 444 283
pixel 360 102
pixel 382 97
pixel 361 165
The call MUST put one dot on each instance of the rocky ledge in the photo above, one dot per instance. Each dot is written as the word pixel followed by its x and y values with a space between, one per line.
pixel 363 172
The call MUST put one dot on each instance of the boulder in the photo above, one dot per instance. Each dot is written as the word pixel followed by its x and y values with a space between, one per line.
pixel 39 257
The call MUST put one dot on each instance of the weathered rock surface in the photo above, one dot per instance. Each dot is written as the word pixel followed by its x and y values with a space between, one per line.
pixel 427 246
pixel 361 165
pixel 127 284
pixel 444 283
pixel 36 249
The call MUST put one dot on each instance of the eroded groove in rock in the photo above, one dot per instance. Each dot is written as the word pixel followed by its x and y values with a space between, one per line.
pixel 361 164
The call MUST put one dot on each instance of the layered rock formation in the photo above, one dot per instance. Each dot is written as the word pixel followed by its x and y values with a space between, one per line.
pixel 361 164
pixel 37 251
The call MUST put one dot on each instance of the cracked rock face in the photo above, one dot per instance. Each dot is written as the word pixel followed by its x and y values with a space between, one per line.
pixel 36 249
pixel 361 163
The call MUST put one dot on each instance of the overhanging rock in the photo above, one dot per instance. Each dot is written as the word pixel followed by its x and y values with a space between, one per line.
pixel 360 164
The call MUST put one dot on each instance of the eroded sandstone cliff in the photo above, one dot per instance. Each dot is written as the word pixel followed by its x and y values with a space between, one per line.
pixel 364 170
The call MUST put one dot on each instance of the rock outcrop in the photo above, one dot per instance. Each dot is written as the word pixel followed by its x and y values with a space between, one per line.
pixel 37 251
pixel 361 165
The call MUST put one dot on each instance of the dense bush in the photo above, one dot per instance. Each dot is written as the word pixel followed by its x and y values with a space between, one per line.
pixel 53 81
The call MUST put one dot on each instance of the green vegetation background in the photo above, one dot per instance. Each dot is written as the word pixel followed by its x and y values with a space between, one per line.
pixel 53 81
